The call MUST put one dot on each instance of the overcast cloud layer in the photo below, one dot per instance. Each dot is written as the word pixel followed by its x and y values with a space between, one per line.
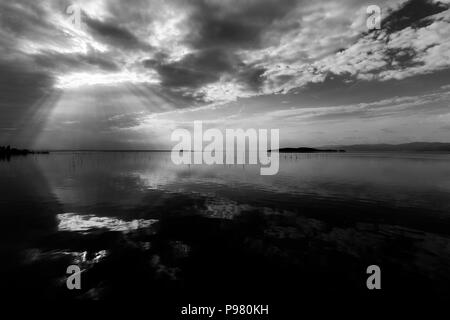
pixel 136 70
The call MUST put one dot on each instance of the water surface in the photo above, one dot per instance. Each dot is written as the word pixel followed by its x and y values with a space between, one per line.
pixel 139 224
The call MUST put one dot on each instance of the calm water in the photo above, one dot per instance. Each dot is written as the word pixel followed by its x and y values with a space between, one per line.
pixel 141 226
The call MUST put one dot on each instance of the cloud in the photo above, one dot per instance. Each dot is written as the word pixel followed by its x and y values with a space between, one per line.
pixel 234 24
pixel 194 69
pixel 397 51
pixel 428 104
pixel 219 54
pixel 125 120
pixel 113 34
pixel 414 14
pixel 209 50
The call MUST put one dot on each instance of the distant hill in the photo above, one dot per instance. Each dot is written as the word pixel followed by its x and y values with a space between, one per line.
pixel 305 150
pixel 404 147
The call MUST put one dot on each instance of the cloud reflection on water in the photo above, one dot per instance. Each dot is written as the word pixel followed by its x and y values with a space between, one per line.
pixel 78 222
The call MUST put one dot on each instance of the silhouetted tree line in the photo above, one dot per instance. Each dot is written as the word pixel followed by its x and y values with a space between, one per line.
pixel 7 151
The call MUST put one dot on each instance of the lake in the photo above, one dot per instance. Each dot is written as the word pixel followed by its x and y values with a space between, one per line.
pixel 140 226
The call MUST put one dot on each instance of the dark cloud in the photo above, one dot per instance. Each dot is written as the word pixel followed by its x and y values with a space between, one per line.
pixel 235 24
pixel 195 69
pixel 181 98
pixel 401 58
pixel 412 14
pixel 219 30
pixel 203 67
pixel 251 76
pixel 112 33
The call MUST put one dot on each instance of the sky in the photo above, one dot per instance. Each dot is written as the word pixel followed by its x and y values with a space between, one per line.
pixel 131 72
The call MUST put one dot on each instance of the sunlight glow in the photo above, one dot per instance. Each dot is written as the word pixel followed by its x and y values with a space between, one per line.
pixel 78 79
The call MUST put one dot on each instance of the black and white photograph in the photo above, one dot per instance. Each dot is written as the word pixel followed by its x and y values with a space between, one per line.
pixel 225 159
